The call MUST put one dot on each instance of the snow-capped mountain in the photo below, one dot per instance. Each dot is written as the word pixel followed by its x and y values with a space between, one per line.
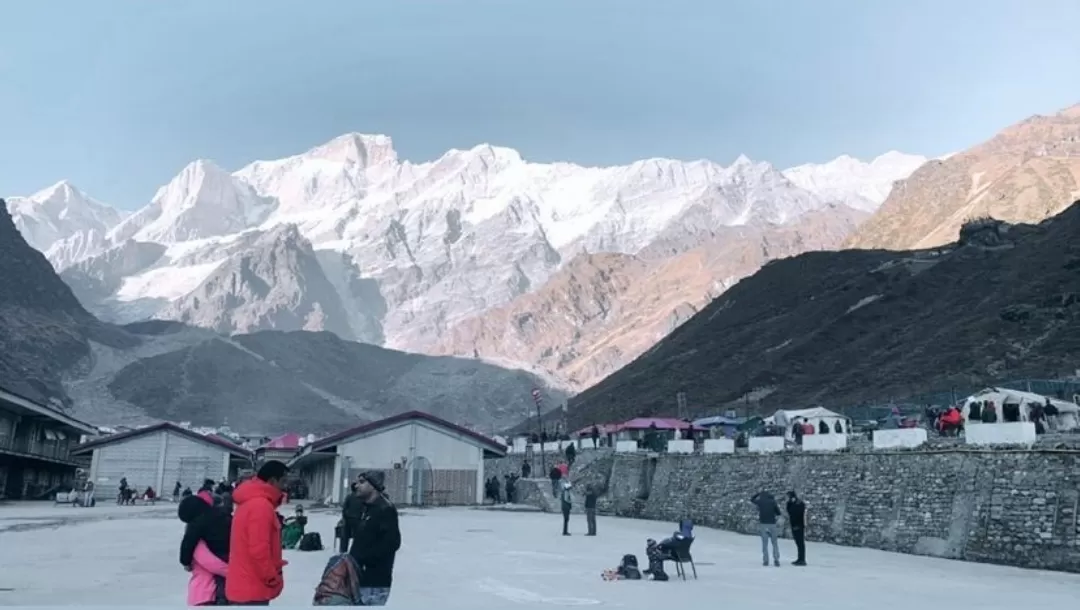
pixel 395 252
pixel 61 212
pixel 202 201
pixel 863 186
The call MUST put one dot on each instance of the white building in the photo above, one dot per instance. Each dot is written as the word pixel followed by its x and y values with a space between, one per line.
pixel 160 455
pixel 426 460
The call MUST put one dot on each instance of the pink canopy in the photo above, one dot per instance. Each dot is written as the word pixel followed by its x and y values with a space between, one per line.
pixel 290 440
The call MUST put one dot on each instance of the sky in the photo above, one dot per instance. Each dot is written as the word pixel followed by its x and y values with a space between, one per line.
pixel 118 96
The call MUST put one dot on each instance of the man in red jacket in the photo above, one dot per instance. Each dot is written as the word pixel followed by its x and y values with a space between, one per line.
pixel 255 563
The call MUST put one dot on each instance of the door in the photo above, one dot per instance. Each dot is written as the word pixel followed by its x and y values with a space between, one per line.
pixel 422 482
pixel 13 489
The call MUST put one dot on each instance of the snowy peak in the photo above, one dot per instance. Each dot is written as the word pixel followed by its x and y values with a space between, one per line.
pixel 202 201
pixel 59 212
pixel 357 148
pixel 860 185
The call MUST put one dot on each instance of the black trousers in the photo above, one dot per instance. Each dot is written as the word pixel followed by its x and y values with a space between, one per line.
pixel 798 534
pixel 590 519
pixel 565 519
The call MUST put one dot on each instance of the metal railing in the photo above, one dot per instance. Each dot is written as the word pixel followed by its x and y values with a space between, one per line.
pixel 53 449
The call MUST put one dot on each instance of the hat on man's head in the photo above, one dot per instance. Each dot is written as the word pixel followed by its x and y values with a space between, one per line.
pixel 376 478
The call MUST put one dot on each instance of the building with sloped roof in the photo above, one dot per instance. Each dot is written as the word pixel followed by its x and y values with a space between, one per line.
pixel 427 460
pixel 161 455
pixel 35 447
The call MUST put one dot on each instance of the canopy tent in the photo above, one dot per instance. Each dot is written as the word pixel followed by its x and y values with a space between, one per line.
pixel 719 420
pixel 728 426
pixel 813 416
pixel 1068 417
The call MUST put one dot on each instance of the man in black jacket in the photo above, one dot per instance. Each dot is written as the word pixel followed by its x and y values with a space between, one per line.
pixel 372 525
pixel 590 508
pixel 768 511
pixel 796 510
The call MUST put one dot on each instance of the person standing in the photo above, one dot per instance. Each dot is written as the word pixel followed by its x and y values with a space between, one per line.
pixel 255 565
pixel 555 475
pixel 526 469
pixel 375 539
pixel 571 455
pixel 590 508
pixel 565 501
pixel 351 511
pixel 768 511
pixel 796 510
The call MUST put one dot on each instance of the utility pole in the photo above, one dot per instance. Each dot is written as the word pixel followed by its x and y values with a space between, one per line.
pixel 540 429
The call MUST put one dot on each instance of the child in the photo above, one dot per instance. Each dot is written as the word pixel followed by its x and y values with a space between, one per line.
pixel 204 551
pixel 627 570
pixel 656 560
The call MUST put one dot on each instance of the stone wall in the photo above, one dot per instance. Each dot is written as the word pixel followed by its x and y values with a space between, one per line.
pixel 1014 507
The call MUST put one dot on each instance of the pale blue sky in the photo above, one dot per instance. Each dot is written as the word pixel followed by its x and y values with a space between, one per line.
pixel 118 95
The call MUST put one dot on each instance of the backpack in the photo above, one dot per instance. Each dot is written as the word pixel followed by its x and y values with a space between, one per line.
pixel 311 541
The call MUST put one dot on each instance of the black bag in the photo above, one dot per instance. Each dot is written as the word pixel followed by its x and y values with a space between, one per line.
pixel 311 541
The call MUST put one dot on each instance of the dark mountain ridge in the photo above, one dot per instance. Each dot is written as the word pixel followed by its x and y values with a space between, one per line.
pixel 856 326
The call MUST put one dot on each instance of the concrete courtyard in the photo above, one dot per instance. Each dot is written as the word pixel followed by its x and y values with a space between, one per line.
pixel 470 559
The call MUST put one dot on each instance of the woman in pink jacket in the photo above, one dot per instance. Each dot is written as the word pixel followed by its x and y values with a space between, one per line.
pixel 204 551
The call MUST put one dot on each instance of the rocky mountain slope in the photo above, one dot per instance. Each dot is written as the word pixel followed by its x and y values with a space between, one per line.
pixel 54 351
pixel 412 255
pixel 601 311
pixel 1026 173
pixel 841 328
pixel 44 330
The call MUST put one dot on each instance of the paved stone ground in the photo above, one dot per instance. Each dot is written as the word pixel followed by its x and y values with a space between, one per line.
pixel 475 559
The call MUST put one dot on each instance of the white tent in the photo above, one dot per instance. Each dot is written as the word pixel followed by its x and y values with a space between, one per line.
pixel 812 416
pixel 1068 417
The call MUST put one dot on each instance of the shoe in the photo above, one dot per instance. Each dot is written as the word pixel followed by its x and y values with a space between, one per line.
pixel 566 533
pixel 798 563
pixel 765 563
pixel 776 562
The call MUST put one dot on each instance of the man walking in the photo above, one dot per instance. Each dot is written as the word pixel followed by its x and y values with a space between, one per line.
pixel 565 501
pixel 590 508
pixel 255 565
pixel 768 511
pixel 796 510
pixel 375 538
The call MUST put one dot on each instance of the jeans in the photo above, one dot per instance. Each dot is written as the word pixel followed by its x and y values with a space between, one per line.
pixel 374 596
pixel 798 534
pixel 565 518
pixel 767 531
pixel 590 519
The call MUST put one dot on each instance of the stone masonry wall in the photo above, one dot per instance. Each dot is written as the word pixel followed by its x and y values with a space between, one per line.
pixel 1013 507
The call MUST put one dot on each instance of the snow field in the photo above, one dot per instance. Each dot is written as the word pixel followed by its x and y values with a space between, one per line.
pixel 475 559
